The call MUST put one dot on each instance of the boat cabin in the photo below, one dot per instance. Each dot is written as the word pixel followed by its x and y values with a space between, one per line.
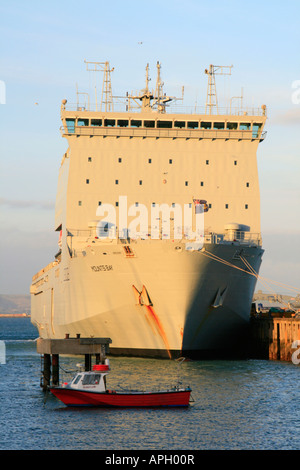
pixel 94 380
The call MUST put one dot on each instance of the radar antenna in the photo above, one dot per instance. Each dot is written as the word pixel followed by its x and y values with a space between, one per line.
pixel 145 96
pixel 158 97
pixel 211 99
pixel 106 96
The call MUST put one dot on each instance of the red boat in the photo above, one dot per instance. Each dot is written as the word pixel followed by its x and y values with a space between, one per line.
pixel 89 389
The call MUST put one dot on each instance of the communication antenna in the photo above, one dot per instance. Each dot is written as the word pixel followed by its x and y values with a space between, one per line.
pixel 241 101
pixel 106 96
pixel 147 80
pixel 211 99
pixel 159 84
pixel 160 97
pixel 79 108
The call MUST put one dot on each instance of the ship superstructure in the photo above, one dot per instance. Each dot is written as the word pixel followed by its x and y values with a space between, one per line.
pixel 153 289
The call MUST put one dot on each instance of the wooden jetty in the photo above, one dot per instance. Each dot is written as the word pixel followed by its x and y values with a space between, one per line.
pixel 50 349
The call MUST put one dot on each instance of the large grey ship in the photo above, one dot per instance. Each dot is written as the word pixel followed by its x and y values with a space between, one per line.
pixel 167 295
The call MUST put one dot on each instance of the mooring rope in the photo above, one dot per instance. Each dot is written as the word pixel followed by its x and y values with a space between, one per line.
pixel 251 271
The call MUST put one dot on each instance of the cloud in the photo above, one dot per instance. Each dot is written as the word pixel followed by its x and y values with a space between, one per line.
pixel 289 117
pixel 23 204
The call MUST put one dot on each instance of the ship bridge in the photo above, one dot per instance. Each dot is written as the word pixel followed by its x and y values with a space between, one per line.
pixel 158 116
pixel 187 126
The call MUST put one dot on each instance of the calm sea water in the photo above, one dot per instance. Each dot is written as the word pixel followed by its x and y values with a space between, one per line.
pixel 249 404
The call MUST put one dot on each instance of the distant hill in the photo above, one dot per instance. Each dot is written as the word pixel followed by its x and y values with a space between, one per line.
pixel 14 304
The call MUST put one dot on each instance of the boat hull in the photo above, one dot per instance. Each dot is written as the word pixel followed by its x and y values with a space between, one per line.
pixel 170 398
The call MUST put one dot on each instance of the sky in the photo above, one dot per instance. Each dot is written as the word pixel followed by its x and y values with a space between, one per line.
pixel 43 48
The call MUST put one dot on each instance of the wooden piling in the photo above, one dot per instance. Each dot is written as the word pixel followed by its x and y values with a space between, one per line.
pixel 87 362
pixel 46 372
pixel 55 369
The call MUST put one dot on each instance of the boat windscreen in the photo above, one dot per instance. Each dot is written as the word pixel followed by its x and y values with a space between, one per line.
pixel 91 379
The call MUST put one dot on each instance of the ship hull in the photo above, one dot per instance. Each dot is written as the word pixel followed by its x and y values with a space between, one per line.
pixel 120 400
pixel 164 301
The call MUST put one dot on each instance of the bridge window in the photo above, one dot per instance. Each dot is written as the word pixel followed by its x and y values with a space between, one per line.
pixel 96 122
pixel 123 122
pixel 232 126
pixel 245 126
pixel 192 125
pixel 70 125
pixel 164 124
pixel 149 123
pixel 82 122
pixel 205 125
pixel 219 125
pixel 179 124
pixel 256 130
pixel 109 122
pixel 135 123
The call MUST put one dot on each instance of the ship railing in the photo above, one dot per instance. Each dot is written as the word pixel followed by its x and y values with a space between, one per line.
pixel 41 272
pixel 171 109
pixel 79 240
pixel 238 236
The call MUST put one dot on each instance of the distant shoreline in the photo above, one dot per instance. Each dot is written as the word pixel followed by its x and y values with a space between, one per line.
pixel 14 315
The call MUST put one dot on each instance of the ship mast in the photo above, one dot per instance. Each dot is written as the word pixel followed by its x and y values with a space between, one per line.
pixel 211 98
pixel 146 96
pixel 160 97
pixel 106 96
pixel 153 100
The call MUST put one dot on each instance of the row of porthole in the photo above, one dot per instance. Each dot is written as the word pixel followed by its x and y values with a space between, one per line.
pixel 170 161
pixel 154 204
pixel 186 183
